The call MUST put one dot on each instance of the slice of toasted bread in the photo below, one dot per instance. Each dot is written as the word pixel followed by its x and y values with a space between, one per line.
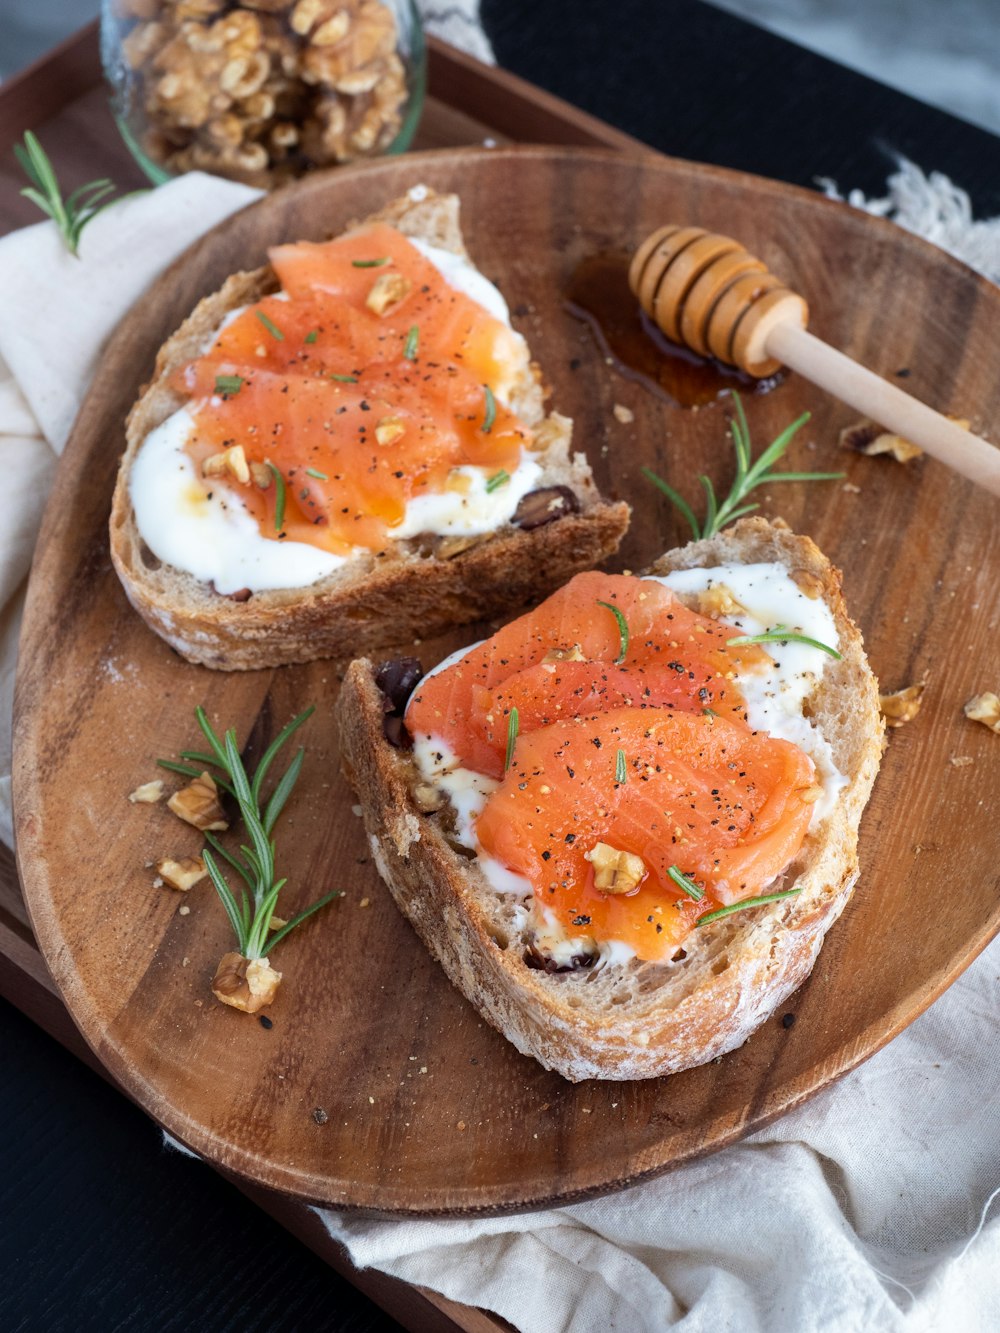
pixel 416 588
pixel 631 1020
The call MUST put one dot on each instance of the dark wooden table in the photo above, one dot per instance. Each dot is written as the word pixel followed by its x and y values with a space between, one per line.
pixel 104 1228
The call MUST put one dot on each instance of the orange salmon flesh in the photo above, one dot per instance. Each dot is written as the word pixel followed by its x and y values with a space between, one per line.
pixel 360 411
pixel 650 755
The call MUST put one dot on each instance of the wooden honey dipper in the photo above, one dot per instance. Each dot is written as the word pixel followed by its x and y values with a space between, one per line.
pixel 710 294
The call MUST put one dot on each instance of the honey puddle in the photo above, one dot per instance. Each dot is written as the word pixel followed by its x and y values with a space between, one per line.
pixel 599 295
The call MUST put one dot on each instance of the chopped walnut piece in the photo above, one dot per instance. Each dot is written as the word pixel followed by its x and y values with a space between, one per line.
pixel 427 797
pixel 574 654
pixel 245 983
pixel 869 438
pixel 387 292
pixel 810 795
pixel 198 804
pixel 985 708
pixel 901 706
pixel 232 460
pixel 449 547
pixel 148 794
pixel 718 600
pixel 459 481
pixel 182 875
pixel 615 871
pixel 389 430
pixel 261 475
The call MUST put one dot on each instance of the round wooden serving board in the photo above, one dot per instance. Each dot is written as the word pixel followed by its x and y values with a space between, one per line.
pixel 425 1108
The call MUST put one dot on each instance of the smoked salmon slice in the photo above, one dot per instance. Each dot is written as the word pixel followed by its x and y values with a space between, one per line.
pixel 360 406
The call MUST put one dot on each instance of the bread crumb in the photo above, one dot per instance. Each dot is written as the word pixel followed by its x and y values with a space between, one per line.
pixel 356 810
pixel 984 708
pixel 423 1069
pixel 623 414
pixel 158 882
pixel 961 760
pixel 365 902
pixel 460 1126
pixel 850 488
pixel 371 1101
pixel 148 794
pixel 183 910
pixel 185 961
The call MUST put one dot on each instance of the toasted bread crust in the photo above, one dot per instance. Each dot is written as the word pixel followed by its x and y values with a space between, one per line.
pixel 636 1020
pixel 412 590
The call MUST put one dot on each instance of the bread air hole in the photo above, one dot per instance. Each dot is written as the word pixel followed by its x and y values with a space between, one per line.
pixel 500 939
pixel 147 558
pixel 720 965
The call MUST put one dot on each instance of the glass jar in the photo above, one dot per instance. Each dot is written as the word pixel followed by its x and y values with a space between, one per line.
pixel 261 91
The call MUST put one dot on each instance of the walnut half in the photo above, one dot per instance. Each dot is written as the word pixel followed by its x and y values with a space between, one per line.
pixel 183 874
pixel 198 804
pixel 615 871
pixel 245 983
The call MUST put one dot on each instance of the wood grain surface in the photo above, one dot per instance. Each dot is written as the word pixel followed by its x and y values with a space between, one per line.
pixel 365 1027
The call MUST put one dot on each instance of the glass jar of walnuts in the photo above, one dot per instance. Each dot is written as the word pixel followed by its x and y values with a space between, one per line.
pixel 262 90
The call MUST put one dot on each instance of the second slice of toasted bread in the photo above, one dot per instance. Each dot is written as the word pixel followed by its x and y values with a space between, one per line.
pixel 636 1019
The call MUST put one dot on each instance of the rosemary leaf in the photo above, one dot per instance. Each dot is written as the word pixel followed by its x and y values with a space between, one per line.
pixel 229 385
pixel 311 336
pixel 496 481
pixel 781 634
pixel 270 325
pixel 315 472
pixel 513 723
pixel 741 907
pixel 412 343
pixel 279 497
pixel 685 884
pixel 370 263
pixel 491 410
pixel 344 379
pixel 622 631
pixel 621 767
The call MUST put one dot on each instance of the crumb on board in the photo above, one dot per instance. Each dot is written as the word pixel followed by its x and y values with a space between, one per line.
pixel 961 760
pixel 148 794
pixel 901 706
pixel 623 414
pixel 984 708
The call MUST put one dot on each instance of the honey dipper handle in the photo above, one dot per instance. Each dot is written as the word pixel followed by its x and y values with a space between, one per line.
pixel 883 402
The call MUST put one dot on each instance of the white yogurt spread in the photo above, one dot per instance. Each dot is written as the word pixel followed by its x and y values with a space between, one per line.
pixel 210 534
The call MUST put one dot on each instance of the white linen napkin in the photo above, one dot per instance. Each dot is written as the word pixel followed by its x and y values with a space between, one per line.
pixel 863 1210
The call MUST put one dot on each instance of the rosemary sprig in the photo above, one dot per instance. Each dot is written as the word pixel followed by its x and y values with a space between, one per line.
pixel 685 883
pixel 781 634
pixel 491 410
pixel 251 916
pixel 70 215
pixel 622 631
pixel 513 724
pixel 496 481
pixel 741 907
pixel 750 474
pixel 621 767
